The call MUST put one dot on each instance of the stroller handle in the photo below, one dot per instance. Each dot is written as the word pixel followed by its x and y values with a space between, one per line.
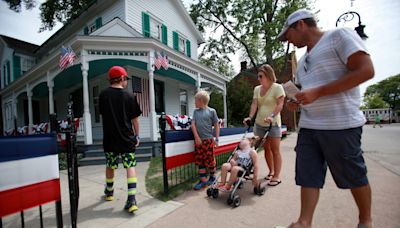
pixel 248 123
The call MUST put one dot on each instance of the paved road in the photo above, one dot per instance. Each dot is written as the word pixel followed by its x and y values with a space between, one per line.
pixel 383 145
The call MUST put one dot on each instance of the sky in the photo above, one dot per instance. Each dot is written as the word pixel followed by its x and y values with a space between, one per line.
pixel 380 17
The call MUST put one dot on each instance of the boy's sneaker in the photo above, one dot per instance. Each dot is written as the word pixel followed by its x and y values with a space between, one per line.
pixel 108 195
pixel 131 206
pixel 211 180
pixel 200 185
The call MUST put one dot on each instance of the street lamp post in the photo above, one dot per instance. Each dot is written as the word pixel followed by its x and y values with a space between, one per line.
pixel 348 16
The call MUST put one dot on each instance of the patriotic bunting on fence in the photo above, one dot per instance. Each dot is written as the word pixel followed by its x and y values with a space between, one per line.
pixel 67 57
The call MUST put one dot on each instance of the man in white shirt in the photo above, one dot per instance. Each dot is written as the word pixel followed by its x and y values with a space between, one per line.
pixel 335 64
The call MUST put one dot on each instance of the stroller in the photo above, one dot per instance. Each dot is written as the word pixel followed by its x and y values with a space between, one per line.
pixel 247 170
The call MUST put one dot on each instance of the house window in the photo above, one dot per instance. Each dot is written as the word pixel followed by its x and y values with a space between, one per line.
pixel 96 104
pixel 183 101
pixel 153 27
pixel 26 65
pixel 182 45
pixel 93 27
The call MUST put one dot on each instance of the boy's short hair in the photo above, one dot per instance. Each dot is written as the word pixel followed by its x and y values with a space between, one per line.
pixel 203 96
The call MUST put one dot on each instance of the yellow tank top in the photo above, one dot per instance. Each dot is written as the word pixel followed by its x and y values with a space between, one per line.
pixel 267 103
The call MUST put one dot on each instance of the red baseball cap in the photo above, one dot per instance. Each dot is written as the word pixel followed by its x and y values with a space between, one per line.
pixel 116 72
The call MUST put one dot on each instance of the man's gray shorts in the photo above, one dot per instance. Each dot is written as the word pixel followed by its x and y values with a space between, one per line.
pixel 340 150
pixel 274 132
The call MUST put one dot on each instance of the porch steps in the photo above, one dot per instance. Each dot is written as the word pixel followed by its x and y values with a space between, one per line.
pixel 94 154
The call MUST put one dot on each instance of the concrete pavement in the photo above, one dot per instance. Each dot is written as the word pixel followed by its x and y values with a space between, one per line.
pixel 279 206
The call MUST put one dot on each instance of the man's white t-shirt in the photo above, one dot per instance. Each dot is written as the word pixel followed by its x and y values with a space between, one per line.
pixel 325 63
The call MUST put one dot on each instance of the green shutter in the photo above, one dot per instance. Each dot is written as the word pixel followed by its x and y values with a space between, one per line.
pixel 8 72
pixel 175 38
pixel 99 23
pixel 16 66
pixel 86 31
pixel 145 24
pixel 164 34
pixel 188 50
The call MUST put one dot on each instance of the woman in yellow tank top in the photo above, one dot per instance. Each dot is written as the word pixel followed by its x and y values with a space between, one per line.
pixel 268 99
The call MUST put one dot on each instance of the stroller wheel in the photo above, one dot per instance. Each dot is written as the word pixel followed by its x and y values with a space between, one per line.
pixel 215 193
pixel 236 201
pixel 229 201
pixel 209 192
pixel 261 191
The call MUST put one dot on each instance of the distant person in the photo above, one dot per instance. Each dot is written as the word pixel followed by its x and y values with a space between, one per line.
pixel 120 114
pixel 377 120
pixel 335 64
pixel 204 119
pixel 268 99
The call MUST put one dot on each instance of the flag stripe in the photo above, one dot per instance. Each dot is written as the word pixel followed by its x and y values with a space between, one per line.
pixel 23 147
pixel 14 174
pixel 188 157
pixel 177 148
pixel 142 96
pixel 19 199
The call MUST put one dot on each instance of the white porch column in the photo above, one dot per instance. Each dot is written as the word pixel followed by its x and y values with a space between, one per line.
pixel 225 108
pixel 15 108
pixel 30 111
pixel 198 82
pixel 153 117
pixel 86 112
pixel 50 85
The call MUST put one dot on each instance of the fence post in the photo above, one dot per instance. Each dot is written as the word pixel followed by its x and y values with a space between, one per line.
pixel 162 124
pixel 72 163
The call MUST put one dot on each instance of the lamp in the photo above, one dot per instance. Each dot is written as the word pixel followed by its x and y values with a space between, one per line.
pixel 348 16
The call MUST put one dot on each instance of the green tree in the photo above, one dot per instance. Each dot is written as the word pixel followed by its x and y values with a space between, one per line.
pixel 388 90
pixel 249 27
pixel 217 102
pixel 374 101
pixel 52 11
pixel 239 98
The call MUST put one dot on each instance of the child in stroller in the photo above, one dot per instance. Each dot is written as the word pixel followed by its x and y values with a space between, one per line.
pixel 241 164
pixel 242 160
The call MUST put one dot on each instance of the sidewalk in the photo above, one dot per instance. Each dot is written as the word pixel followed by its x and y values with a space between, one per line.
pixel 279 206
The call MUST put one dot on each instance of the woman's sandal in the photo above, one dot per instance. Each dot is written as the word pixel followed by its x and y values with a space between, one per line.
pixel 268 177
pixel 274 182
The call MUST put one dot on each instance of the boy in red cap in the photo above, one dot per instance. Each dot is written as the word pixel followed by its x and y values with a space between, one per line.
pixel 120 112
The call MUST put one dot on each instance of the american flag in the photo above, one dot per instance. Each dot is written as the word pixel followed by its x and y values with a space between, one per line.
pixel 67 57
pixel 157 61
pixel 140 87
pixel 164 61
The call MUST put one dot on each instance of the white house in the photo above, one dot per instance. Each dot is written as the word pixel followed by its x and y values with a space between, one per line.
pixel 121 32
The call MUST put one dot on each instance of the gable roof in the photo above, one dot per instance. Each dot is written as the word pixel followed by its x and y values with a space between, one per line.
pixel 116 26
pixel 19 45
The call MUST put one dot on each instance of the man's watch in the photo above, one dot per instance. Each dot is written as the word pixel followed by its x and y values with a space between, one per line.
pixel 137 137
pixel 216 140
pixel 272 115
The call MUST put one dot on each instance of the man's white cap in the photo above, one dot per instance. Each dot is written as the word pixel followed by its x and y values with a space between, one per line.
pixel 294 17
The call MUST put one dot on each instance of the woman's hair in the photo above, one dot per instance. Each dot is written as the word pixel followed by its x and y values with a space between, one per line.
pixel 268 71
pixel 203 96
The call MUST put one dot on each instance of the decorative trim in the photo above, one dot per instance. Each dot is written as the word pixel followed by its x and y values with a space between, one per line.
pixel 178 66
pixel 118 53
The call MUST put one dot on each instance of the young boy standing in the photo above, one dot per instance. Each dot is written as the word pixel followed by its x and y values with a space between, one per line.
pixel 204 118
